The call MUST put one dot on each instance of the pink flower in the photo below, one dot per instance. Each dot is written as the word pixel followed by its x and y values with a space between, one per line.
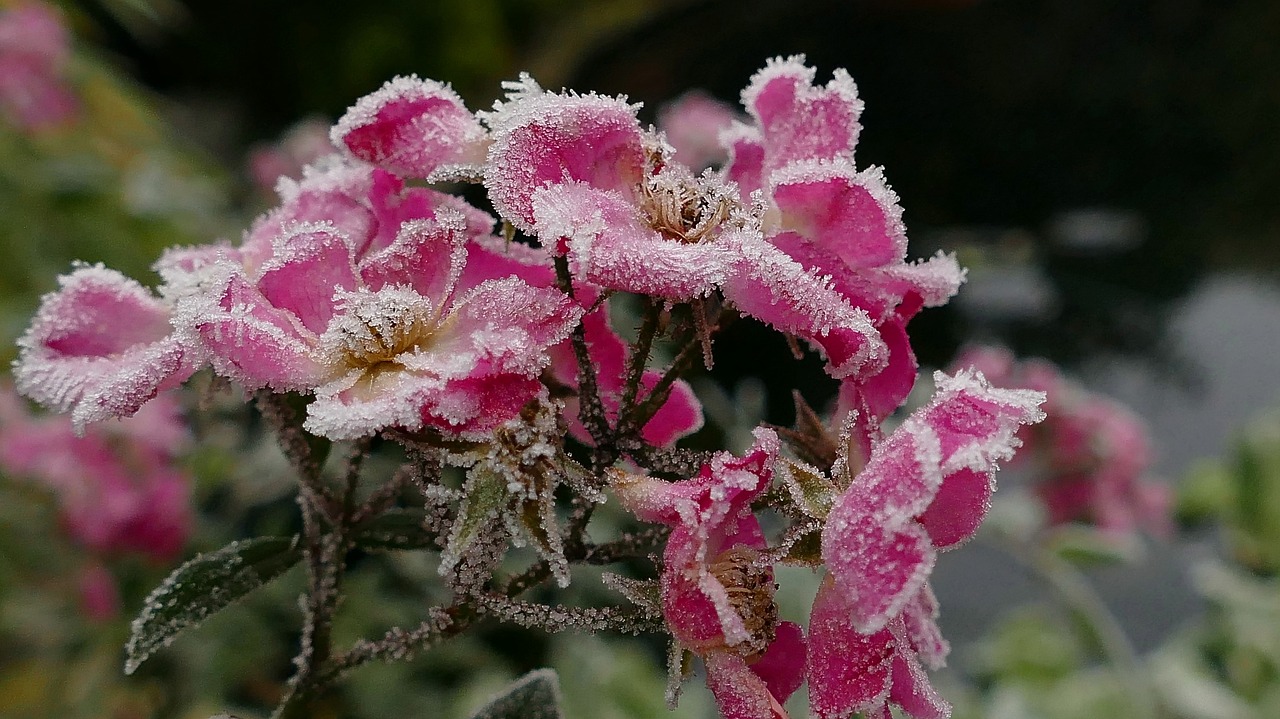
pixel 578 173
pixel 1092 454
pixel 680 415
pixel 414 128
pixel 33 51
pixel 302 144
pixel 363 311
pixel 834 220
pixel 692 123
pixel 717 591
pixel 119 487
pixel 101 346
pixel 925 488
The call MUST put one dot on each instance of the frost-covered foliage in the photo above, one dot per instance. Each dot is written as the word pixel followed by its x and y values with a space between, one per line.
pixel 378 305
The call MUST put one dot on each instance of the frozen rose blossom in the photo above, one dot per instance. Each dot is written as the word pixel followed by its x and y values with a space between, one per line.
pixel 302 144
pixel 119 487
pixel 692 123
pixel 925 488
pixel 717 590
pixel 363 311
pixel 579 173
pixel 101 346
pixel 414 128
pixel 34 47
pixel 1091 456
pixel 835 220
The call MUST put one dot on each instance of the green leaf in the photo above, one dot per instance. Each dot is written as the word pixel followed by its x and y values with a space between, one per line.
pixel 395 529
pixel 204 586
pixel 484 499
pixel 536 695
pixel 810 489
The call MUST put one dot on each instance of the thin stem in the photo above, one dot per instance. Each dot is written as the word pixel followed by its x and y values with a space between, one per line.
pixel 640 355
pixel 591 409
pixel 1079 596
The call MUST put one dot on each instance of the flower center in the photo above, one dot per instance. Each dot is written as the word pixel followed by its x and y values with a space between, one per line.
pixel 374 329
pixel 750 587
pixel 685 208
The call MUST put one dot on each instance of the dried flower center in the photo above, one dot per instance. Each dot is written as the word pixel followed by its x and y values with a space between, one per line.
pixel 750 587
pixel 685 208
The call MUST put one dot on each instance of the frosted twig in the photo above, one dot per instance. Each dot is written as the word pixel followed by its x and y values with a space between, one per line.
pixel 558 618
pixel 591 410
pixel 640 355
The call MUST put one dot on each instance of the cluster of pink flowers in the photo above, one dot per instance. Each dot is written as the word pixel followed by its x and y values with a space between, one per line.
pixel 34 47
pixel 398 306
pixel 119 487
pixel 1092 456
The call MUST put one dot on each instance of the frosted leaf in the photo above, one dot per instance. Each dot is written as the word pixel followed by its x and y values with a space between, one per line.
pixel 810 489
pixel 397 529
pixel 536 695
pixel 644 593
pixel 484 499
pixel 204 586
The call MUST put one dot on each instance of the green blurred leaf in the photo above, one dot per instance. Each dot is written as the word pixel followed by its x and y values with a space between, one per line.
pixel 395 529
pixel 536 695
pixel 204 586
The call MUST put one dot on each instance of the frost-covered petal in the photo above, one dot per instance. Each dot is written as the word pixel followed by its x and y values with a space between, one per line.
pixel 101 346
pixel 359 406
pixel 876 542
pixel 782 666
pixel 799 120
pixel 848 670
pixel 911 690
pixel 510 324
pixel 850 216
pixel 958 508
pixel 549 139
pixel 412 127
pixel 767 284
pixel 253 342
pixel 739 692
pixel 309 265
pixel 330 191
pixel 609 246
pixel 427 255
pixel 746 165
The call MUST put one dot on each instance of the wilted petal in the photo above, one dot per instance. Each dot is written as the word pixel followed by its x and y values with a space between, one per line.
pixel 549 139
pixel 412 127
